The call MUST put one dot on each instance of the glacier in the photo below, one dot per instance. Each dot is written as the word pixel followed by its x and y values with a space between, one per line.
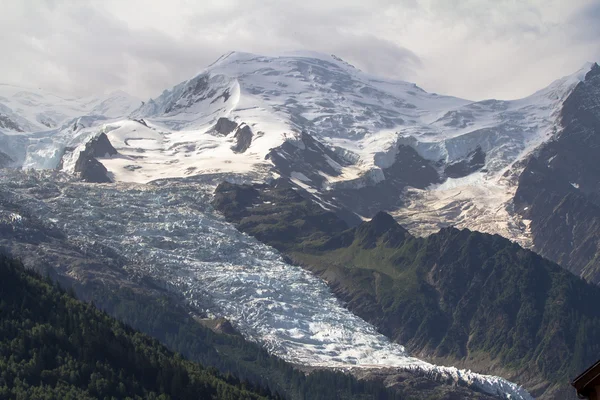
pixel 169 231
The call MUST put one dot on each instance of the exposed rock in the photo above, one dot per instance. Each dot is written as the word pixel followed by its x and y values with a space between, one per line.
pixel 91 170
pixel 141 120
pixel 559 190
pixel 7 123
pixel 101 147
pixel 472 163
pixel 243 137
pixel 225 95
pixel 307 156
pixel 408 169
pixel 87 167
pixel 5 160
pixel 194 91
pixel 224 126
pixel 310 161
pixel 220 325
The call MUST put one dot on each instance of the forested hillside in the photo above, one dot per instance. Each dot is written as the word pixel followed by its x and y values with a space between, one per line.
pixel 54 346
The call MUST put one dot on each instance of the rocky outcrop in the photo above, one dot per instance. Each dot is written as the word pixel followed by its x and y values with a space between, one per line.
pixel 141 121
pixel 474 161
pixel 243 137
pixel 559 190
pixel 194 91
pixel 5 160
pixel 307 156
pixel 309 161
pixel 7 123
pixel 408 169
pixel 101 147
pixel 224 126
pixel 86 165
pixel 220 325
pixel 91 170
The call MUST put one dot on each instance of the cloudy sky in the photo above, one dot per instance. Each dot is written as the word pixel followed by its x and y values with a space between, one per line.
pixel 470 48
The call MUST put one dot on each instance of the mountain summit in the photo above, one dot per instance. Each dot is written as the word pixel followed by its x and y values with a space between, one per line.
pixel 352 140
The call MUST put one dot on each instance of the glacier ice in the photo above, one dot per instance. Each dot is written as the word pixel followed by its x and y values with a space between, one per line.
pixel 170 232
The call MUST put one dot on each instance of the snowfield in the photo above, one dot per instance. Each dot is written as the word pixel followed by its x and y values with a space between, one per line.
pixel 170 232
pixel 361 117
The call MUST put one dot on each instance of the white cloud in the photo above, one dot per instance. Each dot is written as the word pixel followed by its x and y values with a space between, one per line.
pixel 469 48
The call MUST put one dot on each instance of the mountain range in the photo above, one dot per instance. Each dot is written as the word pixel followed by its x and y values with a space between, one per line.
pixel 311 148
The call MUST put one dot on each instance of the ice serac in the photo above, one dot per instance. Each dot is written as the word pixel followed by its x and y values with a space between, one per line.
pixel 559 189
pixel 43 125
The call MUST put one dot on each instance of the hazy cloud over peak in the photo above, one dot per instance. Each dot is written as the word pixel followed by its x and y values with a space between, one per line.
pixel 469 48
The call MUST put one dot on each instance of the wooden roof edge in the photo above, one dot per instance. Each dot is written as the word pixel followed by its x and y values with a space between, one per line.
pixel 583 379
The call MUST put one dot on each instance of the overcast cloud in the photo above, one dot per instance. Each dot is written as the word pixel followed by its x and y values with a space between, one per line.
pixel 469 48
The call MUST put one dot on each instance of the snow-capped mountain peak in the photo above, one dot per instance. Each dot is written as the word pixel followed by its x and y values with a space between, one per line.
pixel 241 114
pixel 350 139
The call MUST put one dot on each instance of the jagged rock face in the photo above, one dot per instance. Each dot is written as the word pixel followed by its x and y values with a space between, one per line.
pixel 91 170
pixel 87 166
pixel 194 92
pixel 236 201
pixel 559 190
pixel 5 160
pixel 7 123
pixel 225 126
pixel 101 147
pixel 243 137
pixel 307 157
pixel 472 163
pixel 408 169
pixel 211 90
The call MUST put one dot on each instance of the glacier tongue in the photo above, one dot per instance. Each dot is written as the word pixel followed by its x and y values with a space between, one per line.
pixel 169 231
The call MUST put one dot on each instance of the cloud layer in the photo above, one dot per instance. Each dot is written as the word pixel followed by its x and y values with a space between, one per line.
pixel 469 48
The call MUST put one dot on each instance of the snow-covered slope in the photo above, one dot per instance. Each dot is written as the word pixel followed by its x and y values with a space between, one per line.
pixel 33 110
pixel 280 97
pixel 241 114
pixel 37 126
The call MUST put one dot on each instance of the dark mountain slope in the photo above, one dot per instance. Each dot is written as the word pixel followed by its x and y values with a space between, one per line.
pixel 457 297
pixel 53 346
pixel 559 190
